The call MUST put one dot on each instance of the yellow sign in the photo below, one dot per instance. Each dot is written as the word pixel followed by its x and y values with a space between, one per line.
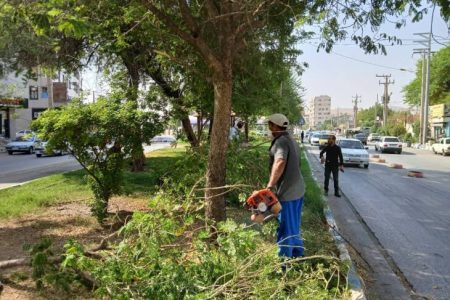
pixel 439 110
pixel 12 102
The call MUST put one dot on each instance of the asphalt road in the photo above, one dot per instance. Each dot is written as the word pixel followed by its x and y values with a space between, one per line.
pixel 409 217
pixel 19 168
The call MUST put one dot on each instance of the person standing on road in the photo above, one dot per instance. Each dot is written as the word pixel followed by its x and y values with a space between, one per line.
pixel 302 135
pixel 333 162
pixel 287 182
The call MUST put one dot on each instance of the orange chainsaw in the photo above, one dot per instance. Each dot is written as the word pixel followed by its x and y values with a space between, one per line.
pixel 262 201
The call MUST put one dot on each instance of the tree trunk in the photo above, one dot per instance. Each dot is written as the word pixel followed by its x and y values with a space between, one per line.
pixel 216 172
pixel 187 127
pixel 137 152
pixel 246 129
pixel 211 122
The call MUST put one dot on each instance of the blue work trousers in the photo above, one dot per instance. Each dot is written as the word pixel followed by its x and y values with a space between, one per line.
pixel 289 238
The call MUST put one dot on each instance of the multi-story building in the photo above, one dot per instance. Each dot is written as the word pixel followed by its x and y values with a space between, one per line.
pixel 319 110
pixel 22 100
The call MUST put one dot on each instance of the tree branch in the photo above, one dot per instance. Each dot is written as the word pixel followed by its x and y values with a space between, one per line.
pixel 211 8
pixel 188 18
pixel 198 43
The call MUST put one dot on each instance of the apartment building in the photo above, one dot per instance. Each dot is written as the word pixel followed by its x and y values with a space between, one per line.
pixel 22 100
pixel 319 110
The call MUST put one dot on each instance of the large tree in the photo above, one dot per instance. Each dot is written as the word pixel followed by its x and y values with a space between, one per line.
pixel 439 80
pixel 219 32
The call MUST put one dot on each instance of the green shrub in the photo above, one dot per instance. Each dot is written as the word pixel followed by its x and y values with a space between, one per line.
pixel 163 256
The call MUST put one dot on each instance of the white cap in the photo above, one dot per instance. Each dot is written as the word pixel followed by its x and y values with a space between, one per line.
pixel 279 119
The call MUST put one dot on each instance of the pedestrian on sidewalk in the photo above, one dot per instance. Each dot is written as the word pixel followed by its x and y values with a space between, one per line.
pixel 302 135
pixel 287 183
pixel 333 162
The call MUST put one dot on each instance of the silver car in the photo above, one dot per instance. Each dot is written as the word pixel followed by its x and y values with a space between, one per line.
pixel 389 144
pixel 42 150
pixel 354 152
pixel 25 143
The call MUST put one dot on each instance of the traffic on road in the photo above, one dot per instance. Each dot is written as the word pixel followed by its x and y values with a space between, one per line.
pixel 407 217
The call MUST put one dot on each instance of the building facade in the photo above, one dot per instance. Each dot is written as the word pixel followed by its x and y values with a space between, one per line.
pixel 319 110
pixel 22 100
pixel 439 120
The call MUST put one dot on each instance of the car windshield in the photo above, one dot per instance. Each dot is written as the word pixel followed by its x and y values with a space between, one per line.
pixel 393 140
pixel 325 136
pixel 351 144
pixel 360 135
pixel 25 138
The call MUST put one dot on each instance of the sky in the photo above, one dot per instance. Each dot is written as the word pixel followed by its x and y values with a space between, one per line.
pixel 342 78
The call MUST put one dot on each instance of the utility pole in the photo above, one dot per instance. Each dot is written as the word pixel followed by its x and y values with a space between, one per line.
pixel 376 110
pixel 355 101
pixel 386 96
pixel 424 101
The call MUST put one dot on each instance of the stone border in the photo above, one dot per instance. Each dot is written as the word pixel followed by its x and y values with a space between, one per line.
pixel 354 280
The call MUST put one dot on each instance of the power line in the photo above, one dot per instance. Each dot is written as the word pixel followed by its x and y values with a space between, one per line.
pixel 373 64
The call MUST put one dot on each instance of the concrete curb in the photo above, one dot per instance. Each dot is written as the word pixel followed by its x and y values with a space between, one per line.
pixel 354 280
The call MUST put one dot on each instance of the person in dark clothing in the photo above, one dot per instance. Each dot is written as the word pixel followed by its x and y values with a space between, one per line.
pixel 333 162
pixel 302 135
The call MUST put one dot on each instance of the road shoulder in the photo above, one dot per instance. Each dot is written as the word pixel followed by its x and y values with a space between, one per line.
pixel 380 281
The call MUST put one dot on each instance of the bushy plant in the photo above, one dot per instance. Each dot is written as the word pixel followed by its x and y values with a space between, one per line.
pixel 98 136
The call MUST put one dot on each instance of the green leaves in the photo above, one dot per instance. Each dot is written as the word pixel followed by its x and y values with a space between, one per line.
pixel 99 136
pixel 439 80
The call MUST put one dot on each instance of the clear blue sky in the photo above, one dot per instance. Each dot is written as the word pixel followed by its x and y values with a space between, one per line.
pixel 341 78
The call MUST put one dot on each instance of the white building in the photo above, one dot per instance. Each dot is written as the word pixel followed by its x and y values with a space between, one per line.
pixel 22 100
pixel 319 110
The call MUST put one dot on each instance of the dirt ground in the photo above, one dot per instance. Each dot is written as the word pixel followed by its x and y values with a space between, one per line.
pixel 60 223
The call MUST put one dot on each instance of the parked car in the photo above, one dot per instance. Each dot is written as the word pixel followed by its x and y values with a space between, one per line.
pixel 315 139
pixel 42 150
pixel 163 139
pixel 24 132
pixel 354 152
pixel 362 137
pixel 323 140
pixel 373 137
pixel 389 144
pixel 442 146
pixel 24 143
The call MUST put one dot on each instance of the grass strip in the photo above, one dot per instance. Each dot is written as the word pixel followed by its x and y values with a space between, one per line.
pixel 72 186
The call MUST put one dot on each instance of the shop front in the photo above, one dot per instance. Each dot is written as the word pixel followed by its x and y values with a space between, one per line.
pixel 440 121
pixel 8 107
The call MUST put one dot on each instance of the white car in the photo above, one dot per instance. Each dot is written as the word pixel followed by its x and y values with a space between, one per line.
pixel 373 137
pixel 315 139
pixel 163 139
pixel 26 132
pixel 389 144
pixel 354 152
pixel 41 150
pixel 442 147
